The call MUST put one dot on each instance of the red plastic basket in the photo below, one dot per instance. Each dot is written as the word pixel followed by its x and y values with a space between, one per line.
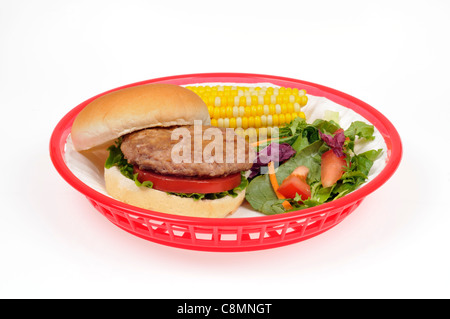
pixel 233 234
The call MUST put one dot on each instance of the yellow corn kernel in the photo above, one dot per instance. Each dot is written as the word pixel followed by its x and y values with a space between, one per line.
pixel 245 122
pixel 229 111
pixel 273 99
pixel 236 101
pixel 223 112
pixel 260 109
pixel 214 122
pixel 251 121
pixel 269 120
pixel 263 120
pixel 211 110
pixel 275 120
pixel 257 122
pixel 260 100
pixel 254 99
pixel 272 109
pixel 279 99
pixel 242 101
pixel 241 111
pixel 291 98
pixel 290 107
pixel 216 113
pixel 288 117
pixel 235 111
pixel 303 100
pixel 281 119
pixel 248 100
pixel 233 122
pixel 230 100
pixel 217 101
pixel 302 115
pixel 278 109
pixel 254 110
pixel 239 122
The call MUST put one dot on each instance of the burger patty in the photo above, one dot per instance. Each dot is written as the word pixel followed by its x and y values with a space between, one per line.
pixel 183 153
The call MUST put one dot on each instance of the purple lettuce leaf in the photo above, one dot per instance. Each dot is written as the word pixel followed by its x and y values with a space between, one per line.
pixel 336 142
pixel 274 152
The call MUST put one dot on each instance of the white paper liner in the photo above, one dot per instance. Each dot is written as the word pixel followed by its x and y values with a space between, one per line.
pixel 92 176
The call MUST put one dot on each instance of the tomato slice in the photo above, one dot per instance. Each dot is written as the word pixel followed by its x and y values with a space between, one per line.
pixel 176 184
pixel 332 168
pixel 292 185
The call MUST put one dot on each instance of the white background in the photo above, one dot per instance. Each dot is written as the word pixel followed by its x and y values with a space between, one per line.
pixel 392 54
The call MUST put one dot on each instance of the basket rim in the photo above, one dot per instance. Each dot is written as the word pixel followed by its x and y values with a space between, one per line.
pixel 386 128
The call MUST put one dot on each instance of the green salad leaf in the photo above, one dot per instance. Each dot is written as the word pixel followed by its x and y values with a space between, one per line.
pixel 116 158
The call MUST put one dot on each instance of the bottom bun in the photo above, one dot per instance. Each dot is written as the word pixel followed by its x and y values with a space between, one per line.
pixel 125 190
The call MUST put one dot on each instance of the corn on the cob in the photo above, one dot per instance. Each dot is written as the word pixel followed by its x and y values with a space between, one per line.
pixel 252 108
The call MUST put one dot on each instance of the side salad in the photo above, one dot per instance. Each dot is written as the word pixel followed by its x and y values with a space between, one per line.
pixel 316 163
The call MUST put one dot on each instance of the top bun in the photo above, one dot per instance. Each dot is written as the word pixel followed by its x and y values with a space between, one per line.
pixel 135 108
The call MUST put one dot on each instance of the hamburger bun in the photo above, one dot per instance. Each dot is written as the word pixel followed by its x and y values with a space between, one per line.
pixel 125 190
pixel 136 108
pixel 127 110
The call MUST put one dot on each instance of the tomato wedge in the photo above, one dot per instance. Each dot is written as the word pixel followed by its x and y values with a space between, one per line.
pixel 176 184
pixel 294 184
pixel 332 168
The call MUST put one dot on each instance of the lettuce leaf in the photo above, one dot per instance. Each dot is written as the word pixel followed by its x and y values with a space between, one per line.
pixel 116 158
pixel 260 193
